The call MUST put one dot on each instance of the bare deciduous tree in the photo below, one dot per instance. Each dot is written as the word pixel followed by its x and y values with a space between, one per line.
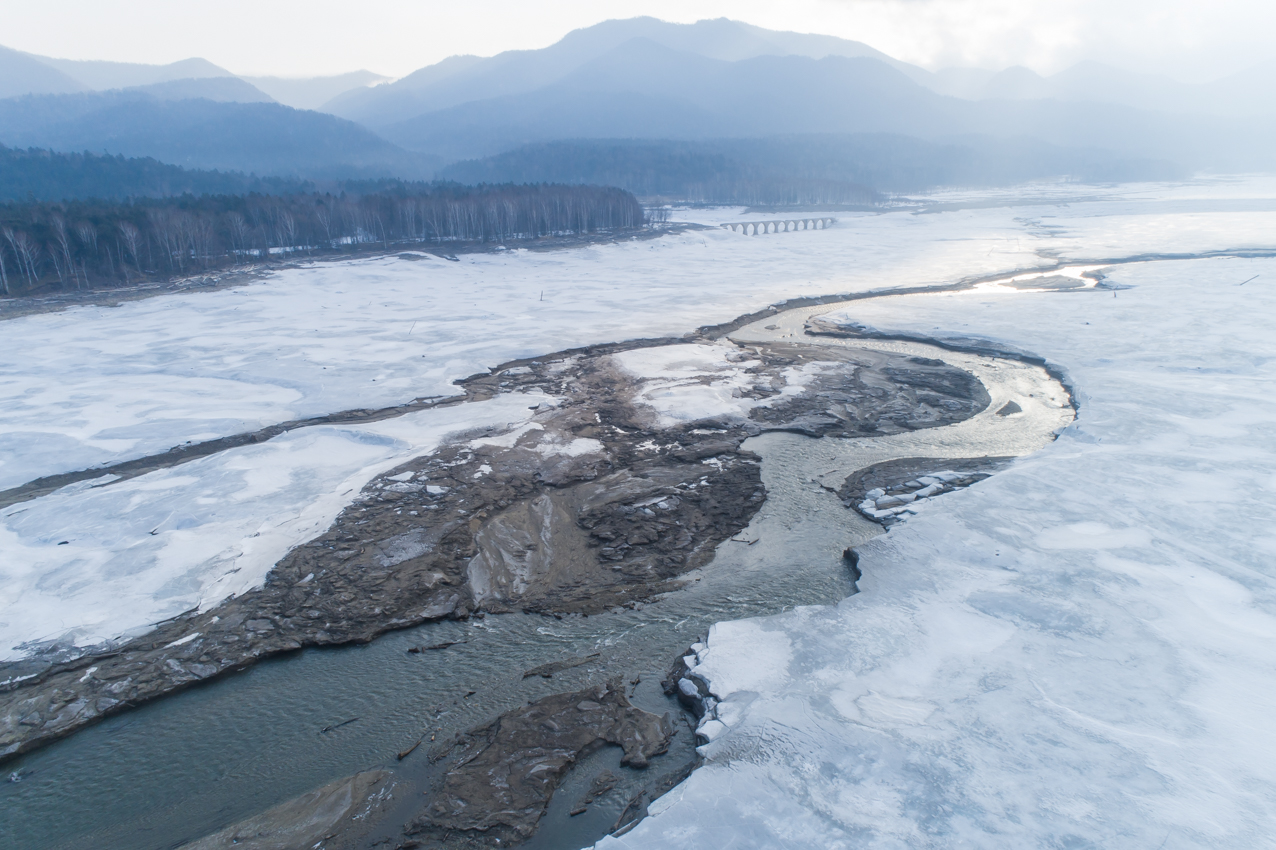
pixel 183 235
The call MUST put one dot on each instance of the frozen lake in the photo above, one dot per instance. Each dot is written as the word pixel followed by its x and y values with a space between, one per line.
pixel 137 379
pixel 1075 652
pixel 180 767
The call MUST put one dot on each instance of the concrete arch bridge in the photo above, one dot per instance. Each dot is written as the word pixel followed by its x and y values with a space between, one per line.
pixel 783 225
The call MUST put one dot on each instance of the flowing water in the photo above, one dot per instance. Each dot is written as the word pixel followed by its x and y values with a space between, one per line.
pixel 186 765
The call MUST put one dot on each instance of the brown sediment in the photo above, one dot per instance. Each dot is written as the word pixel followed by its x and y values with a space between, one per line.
pixel 547 671
pixel 591 506
pixel 817 327
pixel 490 786
pixel 501 777
pixel 308 820
pixel 72 700
pixel 602 784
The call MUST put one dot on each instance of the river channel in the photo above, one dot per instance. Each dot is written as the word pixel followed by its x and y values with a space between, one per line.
pixel 186 765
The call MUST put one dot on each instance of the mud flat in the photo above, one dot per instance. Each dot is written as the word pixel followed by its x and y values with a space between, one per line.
pixel 588 518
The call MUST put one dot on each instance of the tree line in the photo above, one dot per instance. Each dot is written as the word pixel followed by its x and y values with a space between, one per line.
pixel 751 172
pixel 92 244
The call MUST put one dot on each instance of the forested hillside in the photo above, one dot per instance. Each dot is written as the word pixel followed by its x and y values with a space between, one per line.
pixel 809 169
pixel 260 138
pixel 45 175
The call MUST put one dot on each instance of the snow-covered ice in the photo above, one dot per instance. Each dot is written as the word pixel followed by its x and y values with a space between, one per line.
pixel 139 378
pixel 685 383
pixel 87 565
pixel 1077 652
pixel 96 385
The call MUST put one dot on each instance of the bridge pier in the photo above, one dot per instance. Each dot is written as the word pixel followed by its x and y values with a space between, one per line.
pixel 757 228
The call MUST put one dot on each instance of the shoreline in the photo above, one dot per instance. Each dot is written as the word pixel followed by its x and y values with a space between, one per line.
pixel 355 837
pixel 16 307
pixel 475 388
pixel 192 451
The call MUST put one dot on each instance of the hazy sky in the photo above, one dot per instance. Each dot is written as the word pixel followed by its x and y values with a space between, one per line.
pixel 1189 39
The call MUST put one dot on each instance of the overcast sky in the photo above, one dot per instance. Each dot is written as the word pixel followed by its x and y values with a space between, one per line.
pixel 1189 39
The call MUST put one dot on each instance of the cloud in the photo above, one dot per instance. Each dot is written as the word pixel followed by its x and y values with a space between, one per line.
pixel 1185 38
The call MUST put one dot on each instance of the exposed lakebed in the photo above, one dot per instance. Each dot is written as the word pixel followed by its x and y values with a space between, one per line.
pixel 184 766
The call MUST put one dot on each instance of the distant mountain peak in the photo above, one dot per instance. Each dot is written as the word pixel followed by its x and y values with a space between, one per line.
pixel 314 92
pixel 21 73
pixel 462 79
pixel 102 75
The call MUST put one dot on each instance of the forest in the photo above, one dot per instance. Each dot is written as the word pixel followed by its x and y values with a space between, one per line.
pixel 803 169
pixel 45 175
pixel 76 245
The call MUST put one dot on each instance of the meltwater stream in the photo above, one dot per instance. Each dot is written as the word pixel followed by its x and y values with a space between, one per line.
pixel 186 765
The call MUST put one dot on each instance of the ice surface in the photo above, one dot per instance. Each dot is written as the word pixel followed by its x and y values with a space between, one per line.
pixel 139 378
pixel 95 385
pixel 684 383
pixel 1077 652
pixel 155 546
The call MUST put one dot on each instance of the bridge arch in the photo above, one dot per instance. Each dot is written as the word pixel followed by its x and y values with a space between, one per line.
pixel 783 225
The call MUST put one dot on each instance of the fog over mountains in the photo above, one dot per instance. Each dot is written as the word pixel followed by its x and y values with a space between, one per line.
pixel 314 92
pixel 733 89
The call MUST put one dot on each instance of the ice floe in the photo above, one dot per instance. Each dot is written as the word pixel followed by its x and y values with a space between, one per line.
pixel 891 506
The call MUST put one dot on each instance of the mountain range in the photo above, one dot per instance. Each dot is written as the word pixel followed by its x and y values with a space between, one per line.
pixel 637 79
pixel 259 138
pixel 29 74
pixel 645 78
